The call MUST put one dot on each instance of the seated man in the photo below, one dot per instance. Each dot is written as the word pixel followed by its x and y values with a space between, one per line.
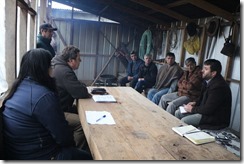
pixel 189 88
pixel 167 78
pixel 147 74
pixel 213 108
pixel 132 70
pixel 70 88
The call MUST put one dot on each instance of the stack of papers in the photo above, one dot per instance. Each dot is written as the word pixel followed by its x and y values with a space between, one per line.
pixel 103 98
pixel 193 134
pixel 99 117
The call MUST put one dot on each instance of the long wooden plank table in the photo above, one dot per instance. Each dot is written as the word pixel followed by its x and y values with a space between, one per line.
pixel 142 132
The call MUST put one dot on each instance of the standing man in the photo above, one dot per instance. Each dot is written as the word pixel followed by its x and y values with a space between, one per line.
pixel 70 88
pixel 167 78
pixel 132 70
pixel 44 37
pixel 213 108
pixel 147 74
pixel 189 88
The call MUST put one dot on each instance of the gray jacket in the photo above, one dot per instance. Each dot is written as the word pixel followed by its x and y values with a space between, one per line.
pixel 68 85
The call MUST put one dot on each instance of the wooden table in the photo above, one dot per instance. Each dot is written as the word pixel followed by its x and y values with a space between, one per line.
pixel 142 132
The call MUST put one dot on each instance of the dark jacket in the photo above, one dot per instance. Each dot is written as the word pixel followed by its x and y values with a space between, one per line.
pixel 68 85
pixel 45 44
pixel 214 104
pixel 34 125
pixel 149 73
pixel 134 72
pixel 190 84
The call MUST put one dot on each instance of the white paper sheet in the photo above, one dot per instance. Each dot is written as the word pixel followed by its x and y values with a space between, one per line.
pixel 97 117
pixel 104 98
pixel 182 110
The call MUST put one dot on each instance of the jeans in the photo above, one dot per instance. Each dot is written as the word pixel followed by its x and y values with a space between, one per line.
pixel 155 95
pixel 171 101
pixel 141 85
pixel 125 80
pixel 190 119
pixel 72 153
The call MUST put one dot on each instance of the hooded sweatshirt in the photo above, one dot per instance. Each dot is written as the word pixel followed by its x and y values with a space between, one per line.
pixel 68 85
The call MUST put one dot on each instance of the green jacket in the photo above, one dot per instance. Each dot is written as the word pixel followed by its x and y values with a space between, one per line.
pixel 45 44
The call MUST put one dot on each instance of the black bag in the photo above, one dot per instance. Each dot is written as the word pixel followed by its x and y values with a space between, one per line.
pixel 99 91
pixel 228 48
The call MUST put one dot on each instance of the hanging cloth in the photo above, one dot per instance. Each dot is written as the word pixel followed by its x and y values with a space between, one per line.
pixel 145 44
pixel 192 45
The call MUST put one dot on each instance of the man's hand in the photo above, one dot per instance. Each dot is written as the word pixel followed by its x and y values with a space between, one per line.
pixel 89 95
pixel 188 107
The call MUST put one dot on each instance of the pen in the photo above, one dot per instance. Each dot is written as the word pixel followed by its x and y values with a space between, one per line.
pixel 101 118
pixel 192 131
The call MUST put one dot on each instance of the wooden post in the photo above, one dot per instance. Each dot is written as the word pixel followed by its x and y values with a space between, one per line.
pixel 203 41
pixel 230 60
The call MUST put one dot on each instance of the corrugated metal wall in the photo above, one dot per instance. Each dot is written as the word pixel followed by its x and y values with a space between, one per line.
pixel 98 42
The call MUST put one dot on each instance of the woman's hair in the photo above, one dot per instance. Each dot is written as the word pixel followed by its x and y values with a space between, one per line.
pixel 35 64
pixel 70 52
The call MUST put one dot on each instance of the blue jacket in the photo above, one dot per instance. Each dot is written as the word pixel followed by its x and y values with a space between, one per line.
pixel 138 63
pixel 34 125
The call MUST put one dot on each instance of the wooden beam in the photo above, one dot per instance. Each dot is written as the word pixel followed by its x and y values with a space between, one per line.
pixel 183 50
pixel 133 12
pixel 101 13
pixel 230 60
pixel 162 9
pixel 176 4
pixel 170 5
pixel 203 41
pixel 22 4
pixel 212 9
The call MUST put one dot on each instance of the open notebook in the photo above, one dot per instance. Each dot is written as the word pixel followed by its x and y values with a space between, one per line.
pixel 193 134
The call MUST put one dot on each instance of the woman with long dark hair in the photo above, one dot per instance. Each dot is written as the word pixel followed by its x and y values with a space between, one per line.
pixel 34 126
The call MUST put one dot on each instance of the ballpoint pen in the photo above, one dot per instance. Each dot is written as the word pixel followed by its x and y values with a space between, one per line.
pixel 101 118
pixel 192 131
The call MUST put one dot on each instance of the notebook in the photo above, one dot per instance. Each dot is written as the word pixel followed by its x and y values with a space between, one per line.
pixel 193 134
pixel 104 98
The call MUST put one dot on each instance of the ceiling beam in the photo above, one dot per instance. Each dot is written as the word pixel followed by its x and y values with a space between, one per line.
pixel 176 4
pixel 133 12
pixel 162 9
pixel 100 13
pixel 212 9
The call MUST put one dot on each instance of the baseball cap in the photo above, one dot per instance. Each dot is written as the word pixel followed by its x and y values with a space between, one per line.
pixel 47 26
